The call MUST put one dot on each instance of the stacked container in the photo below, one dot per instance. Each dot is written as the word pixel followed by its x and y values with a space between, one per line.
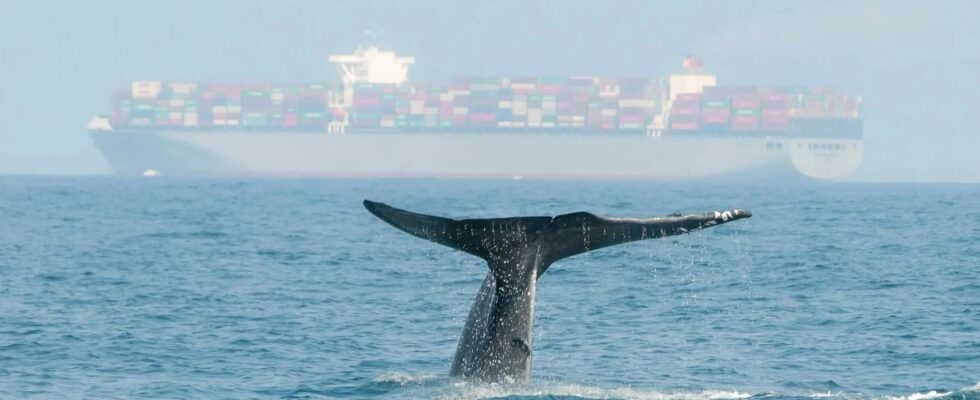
pixel 685 112
pixel 716 109
pixel 745 109
pixel 581 103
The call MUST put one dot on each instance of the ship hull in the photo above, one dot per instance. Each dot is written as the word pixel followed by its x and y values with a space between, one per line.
pixel 472 155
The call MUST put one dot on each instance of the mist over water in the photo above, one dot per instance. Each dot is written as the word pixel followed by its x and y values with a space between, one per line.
pixel 915 63
pixel 200 288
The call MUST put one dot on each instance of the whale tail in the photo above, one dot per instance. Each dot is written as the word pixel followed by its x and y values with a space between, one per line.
pixel 488 238
pixel 495 239
pixel 496 342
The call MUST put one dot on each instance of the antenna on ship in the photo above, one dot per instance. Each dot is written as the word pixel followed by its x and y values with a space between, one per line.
pixel 371 66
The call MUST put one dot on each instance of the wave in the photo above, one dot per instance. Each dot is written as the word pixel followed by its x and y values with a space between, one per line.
pixel 468 391
pixel 967 393
pixel 404 379
pixel 433 386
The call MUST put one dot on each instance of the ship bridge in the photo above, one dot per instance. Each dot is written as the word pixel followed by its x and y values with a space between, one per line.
pixel 372 65
pixel 369 65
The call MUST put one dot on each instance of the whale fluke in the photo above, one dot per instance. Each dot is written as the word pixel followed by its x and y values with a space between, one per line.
pixel 496 342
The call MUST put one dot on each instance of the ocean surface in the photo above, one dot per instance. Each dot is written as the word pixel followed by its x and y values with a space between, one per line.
pixel 287 288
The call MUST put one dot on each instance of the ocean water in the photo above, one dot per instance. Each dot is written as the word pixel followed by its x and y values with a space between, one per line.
pixel 224 288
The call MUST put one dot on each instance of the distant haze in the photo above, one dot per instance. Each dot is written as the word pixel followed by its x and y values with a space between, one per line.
pixel 916 63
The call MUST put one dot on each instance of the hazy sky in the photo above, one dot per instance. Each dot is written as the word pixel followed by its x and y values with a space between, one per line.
pixel 916 63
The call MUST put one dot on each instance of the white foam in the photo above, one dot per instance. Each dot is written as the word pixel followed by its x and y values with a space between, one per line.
pixel 824 395
pixel 403 379
pixel 463 390
pixel 932 394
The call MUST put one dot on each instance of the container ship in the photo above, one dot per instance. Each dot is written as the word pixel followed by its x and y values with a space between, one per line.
pixel 379 123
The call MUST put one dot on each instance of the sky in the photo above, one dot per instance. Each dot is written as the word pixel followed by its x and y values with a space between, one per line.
pixel 916 64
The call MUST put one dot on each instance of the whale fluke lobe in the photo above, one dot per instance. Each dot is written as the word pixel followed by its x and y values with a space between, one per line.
pixel 496 342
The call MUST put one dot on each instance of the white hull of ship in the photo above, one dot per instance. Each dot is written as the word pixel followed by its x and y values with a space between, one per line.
pixel 472 155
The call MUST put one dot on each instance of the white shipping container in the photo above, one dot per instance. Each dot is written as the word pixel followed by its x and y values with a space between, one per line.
pixel 431 111
pixel 608 112
pixel 277 96
pixel 388 124
pixel 522 86
pixel 445 97
pixel 232 122
pixel 182 88
pixel 578 124
pixel 504 104
pixel 518 124
pixel 219 109
pixel 609 91
pixel 146 89
pixel 547 124
pixel 520 111
pixel 504 124
pixel 234 109
pixel 416 107
pixel 578 118
pixel 533 124
pixel 460 110
pixel 635 103
pixel 219 122
pixel 534 113
pixel 176 115
pixel 459 92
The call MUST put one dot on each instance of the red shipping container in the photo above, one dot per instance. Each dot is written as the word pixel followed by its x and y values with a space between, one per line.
pixel 718 119
pixel 631 118
pixel 775 113
pixel 745 123
pixel 695 97
pixel 684 126
pixel 684 111
pixel 367 100
pixel 482 117
pixel 745 102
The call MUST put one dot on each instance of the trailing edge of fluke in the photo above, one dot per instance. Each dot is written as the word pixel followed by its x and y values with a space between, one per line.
pixel 495 345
